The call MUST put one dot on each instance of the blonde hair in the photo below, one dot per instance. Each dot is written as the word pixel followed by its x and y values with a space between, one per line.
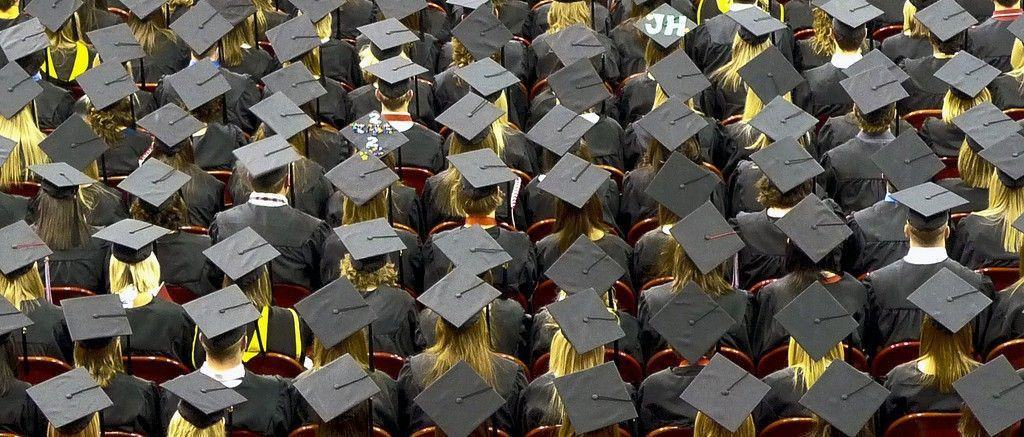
pixel 355 345
pixel 461 56
pixel 231 47
pixel 90 430
pixel 565 361
pixel 975 171
pixel 67 36
pixel 259 290
pixel 22 129
pixel 471 344
pixel 144 275
pixel 822 43
pixel 1007 204
pixel 806 369
pixel 684 270
pixel 752 105
pixel 146 30
pixel 949 351
pixel 911 26
pixel 953 105
pixel 562 15
pixel 24 288
pixel 451 181
pixel 179 427
pixel 1017 60
pixel 704 426
pixel 375 208
pixel 728 75
pixel 103 363
pixel 366 281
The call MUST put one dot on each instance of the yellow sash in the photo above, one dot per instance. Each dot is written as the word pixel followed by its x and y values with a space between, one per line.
pixel 81 63
pixel 259 342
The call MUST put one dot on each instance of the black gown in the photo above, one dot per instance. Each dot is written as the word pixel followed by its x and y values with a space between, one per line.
pixel 308 191
pixel 213 148
pixel 280 331
pixel 333 108
pixel 405 208
pixel 507 326
pixel 543 330
pixel 519 275
pixel 1007 92
pixel 204 195
pixel 838 130
pixel 136 406
pixel 48 336
pixel 765 250
pixel 991 42
pixel 423 107
pixel 710 45
pixel 271 407
pixel 909 394
pixel 541 205
pixel 84 266
pixel 978 242
pixel 409 264
pixel 544 61
pixel 243 94
pixel 425 149
pixel 809 59
pixel 851 179
pixel 540 19
pixel 977 198
pixel 433 215
pixel 900 47
pixel 160 328
pixel 617 249
pixel 385 410
pixel 341 62
pixel 737 304
pixel 878 239
pixel 820 94
pixel 255 63
pixel 649 255
pixel 18 414
pixel 108 208
pixel 658 399
pixel 448 89
pixel 182 262
pixel 630 43
pixel 721 103
pixel 926 91
pixel 123 156
pixel 783 398
pixel 12 208
pixel 1007 321
pixel 944 139
pixel 53 105
pixel 536 403
pixel 168 55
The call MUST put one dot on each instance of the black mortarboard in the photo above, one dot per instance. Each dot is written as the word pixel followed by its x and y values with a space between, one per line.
pixel 23 39
pixel 11 319
pixel 468 4
pixel 672 123
pixel 170 124
pixel 53 13
pixel 133 239
pixel 143 8
pixel 203 399
pixel 949 299
pixel 692 322
pixel 559 130
pixel 282 115
pixel 370 238
pixel 372 135
pixel 154 182
pixel 1007 156
pixel 755 22
pixel 335 312
pixel 967 74
pixel 1017 28
pixel 241 253
pixel 471 249
pixel 787 164
pixel 107 84
pixel 198 83
pixel 116 43
pixel 876 59
pixel 396 69
pixel 985 125
pixel 907 161
pixel 482 33
pixel 99 317
pixel 293 38
pixel 399 9
pixel 874 89
pixel 470 116
pixel 853 13
pixel 482 168
pixel 17 89
pixel 266 155
pixel 574 180
pixel 578 86
pixel 235 11
pixel 992 392
pixel 20 247
pixel 929 205
pixel 770 74
pixel 665 25
pixel 781 119
pixel 945 19
pixel 388 34
pixel 59 179
pixel 725 392
pixel 7 147
pixel 814 227
pixel 585 321
pixel 201 26
pixel 576 42
pixel 458 297
pixel 584 266
pixel 679 76
pixel 221 316
pixel 74 142
pixel 360 178
pixel 816 320
pixel 296 82
pixel 69 397
pixel 335 388
pixel 459 401
pixel 706 237
pixel 844 397
pixel 681 185
pixel 316 10
pixel 595 398
pixel 487 76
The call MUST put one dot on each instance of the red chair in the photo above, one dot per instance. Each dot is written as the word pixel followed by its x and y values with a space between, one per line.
pixel 406 228
pixel 803 34
pixel 60 293
pixel 1013 350
pixel 738 357
pixel 388 363
pixel 671 431
pixel 432 431
pixel 950 171
pixel 956 217
pixel 441 227
pixel 525 178
pixel 113 181
pixel 287 295
pixel 224 176
pixel 414 177
pixel 892 356
pixel 310 431
pixel 272 363
pixel 40 369
pixel 884 32
pixel 662 360
pixel 1016 114
pixel 156 369
pixel 538 87
pixel 918 117
pixel 732 120
pixel 197 230
pixel 243 433
pixel 856 358
pixel 1002 277
pixel 629 368
pixel 711 167
pixel 545 293
pixel 758 286
pixel 552 431
pixel 267 47
pixel 625 299
pixel 640 228
pixel 180 295
pixel 520 363
pixel 790 426
pixel 656 282
pixel 541 229
pixel 106 433
pixel 929 424
pixel 617 175
pixel 24 189
pixel 121 13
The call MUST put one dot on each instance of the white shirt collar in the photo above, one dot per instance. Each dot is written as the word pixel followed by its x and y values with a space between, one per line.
pixel 844 60
pixel 268 199
pixel 739 6
pixel 925 255
pixel 231 378
pixel 399 125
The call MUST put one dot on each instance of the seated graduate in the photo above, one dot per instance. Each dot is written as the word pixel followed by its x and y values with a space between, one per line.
pixel 838 130
pixel 462 346
pixel 823 94
pixel 486 75
pixel 1006 89
pixel 631 35
pixel 18 414
pixel 201 82
pixel 790 384
pixel 819 48
pixel 71 404
pixel 712 41
pixel 223 319
pixel 944 134
pixel 53 104
pixel 975 172
pixel 340 346
pixel 1007 321
pixel 991 40
pixel 947 37
pixel 115 125
pixel 727 96
pixel 21 130
pixel 239 54
pixel 843 401
pixel 279 329
pixel 566 14
pixel 891 318
pixel 724 395
pixel 654 42
pixel 215 140
pixel 329 104
pixel 658 399
pixel 385 42
pixel 98 350
pixel 913 41
pixel 197 410
pixel 166 53
pixel 68 55
pixel 765 245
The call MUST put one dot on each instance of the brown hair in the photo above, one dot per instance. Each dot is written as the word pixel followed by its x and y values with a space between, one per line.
pixel 103 363
pixel 683 270
pixel 107 123
pixel 572 222
pixel 771 197
pixel 61 222
pixel 876 121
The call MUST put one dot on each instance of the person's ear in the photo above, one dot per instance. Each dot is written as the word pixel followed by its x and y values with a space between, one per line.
pixel 906 230
pixel 945 232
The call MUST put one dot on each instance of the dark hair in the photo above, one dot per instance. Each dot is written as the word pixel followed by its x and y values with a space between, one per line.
pixel 172 216
pixel 846 37
pixel 801 270
pixel 8 362
pixel 950 46
pixel 270 182
pixel 875 121
pixel 1007 3
pixel 770 196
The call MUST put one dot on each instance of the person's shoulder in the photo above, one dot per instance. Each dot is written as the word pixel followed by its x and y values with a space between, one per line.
pixel 780 378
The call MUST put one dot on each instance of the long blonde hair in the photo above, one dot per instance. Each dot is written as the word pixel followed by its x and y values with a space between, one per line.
pixel 259 290
pixel 975 171
pixel 562 15
pixel 366 281
pixel 565 361
pixel 806 369
pixel 103 363
pixel 451 182
pixel 1017 60
pixel 684 270
pixel 144 275
pixel 148 29
pixel 704 426
pixel 231 47
pixel 822 43
pixel 179 427
pixel 471 344
pixel 22 129
pixel 24 288
pixel 355 345
pixel 949 351
pixel 728 75
pixel 911 26
pixel 90 430
pixel 1007 204
pixel 953 105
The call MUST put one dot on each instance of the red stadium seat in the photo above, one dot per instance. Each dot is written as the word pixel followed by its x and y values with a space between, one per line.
pixel 918 117
pixel 525 178
pixel 541 229
pixel 1013 350
pixel 629 368
pixel 892 356
pixel 310 431
pixel 662 360
pixel 443 226
pixel 930 424
pixel 388 363
pixel 617 175
pixel 732 120
pixel 180 295
pixel 40 369
pixel 272 363
pixel 225 177
pixel 711 167
pixel 287 295
pixel 640 228
pixel 406 228
pixel 552 431
pixel 778 359
pixel 956 217
pixel 950 171
pixel 106 433
pixel 803 34
pixel 788 427
pixel 121 13
pixel 432 431
pixel 738 357
pixel 671 431
pixel 24 189
pixel 156 369
pixel 656 282
pixel 538 87
pixel 758 286
pixel 1002 277
pixel 197 230
pixel 1015 113
pixel 243 433
pixel 414 177
pixel 625 299
pixel 547 291
pixel 61 293
pixel 884 32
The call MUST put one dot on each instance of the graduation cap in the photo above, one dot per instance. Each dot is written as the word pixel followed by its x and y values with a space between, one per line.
pixel 53 13
pixel 20 247
pixel 487 76
pixel 681 184
pixel 781 119
pixel 578 86
pixel 470 116
pixel 116 43
pixel 201 26
pixel 316 10
pixel 929 205
pixel 584 266
pixel 1006 157
pixel 1017 29
pixel 575 43
pixel 665 25
pixel 171 125
pixel 482 33
pixel 787 164
pixel 293 38
pixel 396 70
pixel 99 317
pixel 107 84
pixel 874 89
pixel 132 239
pixel 853 13
pixel 70 399
pixel 361 178
pixel 154 182
pixel 770 74
pixel 371 238
pixel 198 83
pixel 706 237
pixel 388 34
pixel 458 297
pixel 336 388
pixel 7 147
pixel 992 392
pixel 595 398
pixel 371 135
pixel 585 321
pixel 60 180
pixel 574 180
pixel 335 312
pixel 266 155
pixel 907 161
pixel 235 11
pixel 202 399
pixel 679 76
pixel 296 82
pixel 241 253
pixel 11 319
pixel 725 392
pixel 482 168
pixel 844 397
pixel 672 123
pixel 17 89
pixel 945 19
pixel 967 74
pixel 468 4
pixel 459 401
pixel 949 299
pixel 282 115
pixel 755 23
pixel 876 59
pixel 692 322
pixel 73 142
pixel 559 130
pixel 814 227
pixel 143 8
pixel 471 249
pixel 399 9
pixel 23 39
pixel 816 320
pixel 985 125
pixel 221 316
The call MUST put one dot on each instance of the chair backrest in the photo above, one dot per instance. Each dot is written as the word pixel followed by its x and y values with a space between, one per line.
pixel 39 369
pixel 894 355
pixel 624 297
pixel 243 433
pixel 886 31
pixel 197 230
pixel 552 430
pixel 120 434
pixel 1013 350
pixel 441 227
pixel 732 120
pixel 662 360
pixel 640 228
pixel 1015 113
pixel 431 431
pixel 738 357
pixel 272 363
pixel 310 431
pixel 918 117
pixel 803 34
pixel 758 286
pixel 950 169
pixel 60 293
pixel 1002 277
pixel 520 363
pixel 541 229
pixel 225 177
pixel 24 189
pixel 617 175
pixel 414 177
pixel 156 369
pixel 179 295
pixel 388 363
pixel 287 295
pixel 788 427
pixel 775 359
pixel 671 431
pixel 629 369
pixel 931 424
pixel 544 294
pixel 656 282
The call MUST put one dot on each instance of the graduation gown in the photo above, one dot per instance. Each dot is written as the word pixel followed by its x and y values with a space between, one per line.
pixel 544 100
pixel 425 149
pixel 548 252
pixel 608 145
pixel 838 130
pixel 53 105
pixel 385 411
pixel 536 406
pixel 543 330
pixel 540 19
pixel 516 60
pixel 123 156
pixel 12 208
pixel 710 45
pixel 1006 92
pixel 783 398
pixel 242 95
pixel 84 266
pixel 977 197
pixel 978 242
pixel 449 89
pixel 255 63
pixel 637 205
pixel 850 177
pixel 394 329
pixel 326 147
pixel 204 195
pixel 518 275
pixel 280 331
pixel 160 328
pixel 405 208
pixel 168 55
pixel 944 139
pixel 736 303
pixel 926 91
pixel 509 383
pixel 48 336
pixel 544 61
pixel 507 325
pixel 765 251
pixel 649 256
pixel 351 15
pixel 900 47
pixel 908 394
pixel 630 43
pixel 434 195
pixel 340 62
pixel 1007 321
pixel 878 239
pixel 423 106
pixel 182 262
pixel 636 97
pixel 409 262
pixel 721 103
pixel 540 205
pixel 18 413
pixel 658 399
pixel 308 191
pixel 710 140
pixel 991 42
pixel 136 406
pixel 108 208
pixel 213 146
pixel 820 94
pixel 809 59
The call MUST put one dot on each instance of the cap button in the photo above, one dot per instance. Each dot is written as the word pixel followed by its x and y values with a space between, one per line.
pixel 458 400
pixel 771 74
pixel 844 397
pixel 725 392
pixel 817 321
pixel 681 186
pixel 906 162
pixel 691 322
pixel 335 311
pixel 814 227
pixel 949 298
pixel 1016 154
pixel 586 320
pixel 679 76
pixel 594 397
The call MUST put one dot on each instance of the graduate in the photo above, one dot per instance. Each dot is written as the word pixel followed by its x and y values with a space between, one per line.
pixel 1006 322
pixel 576 15
pixel 19 414
pixel 598 16
pixel 241 55
pixel 765 245
pixel 165 52
pixel 213 143
pixel 818 49
pixel 991 40
pixel 72 403
pixel 631 38
pixel 52 104
pixel 205 80
pixel 467 73
pixel 333 107
pixel 712 42
pixel 724 395
pixel 385 40
pixel 943 135
pixel 68 55
pixel 947 37
pixel 197 409
pixel 512 52
pixel 912 42
pixel 753 37
pixel 658 399
pixel 975 172
pixel 790 384
pixel 114 125
pixel 23 131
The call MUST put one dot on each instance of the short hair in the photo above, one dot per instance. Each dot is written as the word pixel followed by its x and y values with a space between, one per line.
pixel 927 237
pixel 848 38
pixel 770 196
pixel 950 46
pixel 875 121
pixel 270 182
